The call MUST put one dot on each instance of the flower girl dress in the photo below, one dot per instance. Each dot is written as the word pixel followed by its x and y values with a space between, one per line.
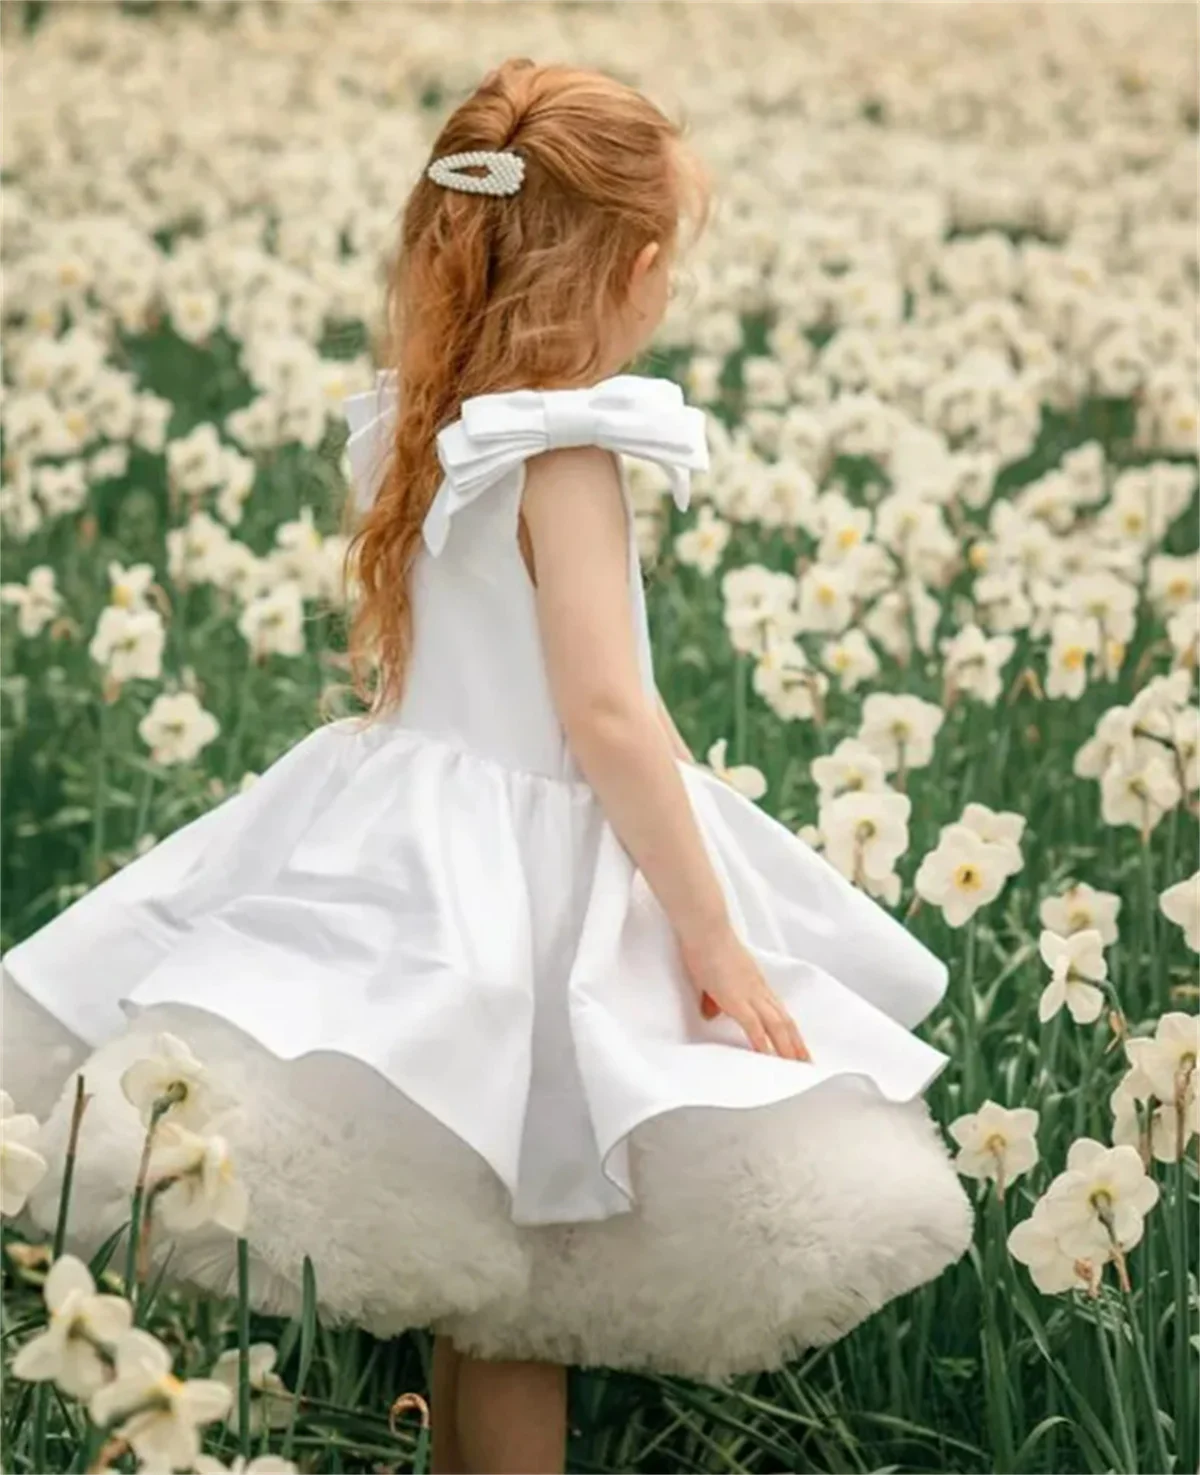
pixel 472 1081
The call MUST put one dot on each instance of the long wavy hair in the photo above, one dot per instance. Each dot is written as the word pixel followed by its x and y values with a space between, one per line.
pixel 490 293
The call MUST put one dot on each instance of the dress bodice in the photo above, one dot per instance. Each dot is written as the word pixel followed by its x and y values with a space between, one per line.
pixel 477 676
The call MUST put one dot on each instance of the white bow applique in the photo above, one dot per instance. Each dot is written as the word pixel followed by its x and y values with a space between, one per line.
pixel 629 413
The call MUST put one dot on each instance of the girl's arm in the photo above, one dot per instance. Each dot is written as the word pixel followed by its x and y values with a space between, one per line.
pixel 575 514
pixel 674 736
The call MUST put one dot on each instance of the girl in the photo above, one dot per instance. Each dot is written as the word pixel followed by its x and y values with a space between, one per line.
pixel 520 1024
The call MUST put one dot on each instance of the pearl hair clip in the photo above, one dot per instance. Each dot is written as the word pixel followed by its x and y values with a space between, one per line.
pixel 505 171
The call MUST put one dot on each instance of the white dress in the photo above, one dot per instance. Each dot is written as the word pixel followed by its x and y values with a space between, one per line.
pixel 473 1081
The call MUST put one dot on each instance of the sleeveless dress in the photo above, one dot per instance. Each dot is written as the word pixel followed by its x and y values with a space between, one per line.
pixel 472 1080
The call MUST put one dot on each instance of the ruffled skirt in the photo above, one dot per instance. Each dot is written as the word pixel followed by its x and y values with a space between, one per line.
pixel 472 1081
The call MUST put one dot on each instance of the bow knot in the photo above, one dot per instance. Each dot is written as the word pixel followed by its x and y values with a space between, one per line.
pixel 495 433
pixel 570 419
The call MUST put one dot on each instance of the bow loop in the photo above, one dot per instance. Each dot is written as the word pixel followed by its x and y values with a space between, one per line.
pixel 371 420
pixel 628 413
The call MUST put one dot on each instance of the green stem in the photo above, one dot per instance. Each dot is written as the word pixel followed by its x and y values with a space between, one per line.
pixel 41 1409
pixel 233 760
pixel 1147 1381
pixel 992 1343
pixel 175 1092
pixel 243 1275
pixel 143 809
pixel 98 795
pixel 1116 1399
pixel 1184 1387
pixel 1154 962
pixel 740 702
pixel 970 1021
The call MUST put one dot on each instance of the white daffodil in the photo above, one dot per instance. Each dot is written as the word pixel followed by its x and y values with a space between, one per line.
pixel 177 727
pixel 850 767
pixel 1173 583
pixel 1072 641
pixel 1167 1059
pixel 1183 631
pixel 172 1075
pixel 128 643
pixel 1100 1202
pixel 299 554
pixel 1082 908
pixel 37 601
pixel 851 658
pixel 22 1167
pixel 1161 1129
pixel 904 618
pixel 973 663
pixel 865 833
pixel 702 545
pixel 962 873
pixel 270 1402
pixel 195 1181
pixel 1001 828
pixel 1181 904
pixel 1138 794
pixel 786 682
pixel 759 605
pixel 1114 740
pixel 1185 738
pixel 1034 1243
pixel 826 598
pixel 196 552
pixel 159 1413
pixel 743 777
pixel 130 587
pixel 243 573
pixel 900 730
pixel 75 1349
pixel 996 1142
pixel 1076 966
pixel 273 623
pixel 843 527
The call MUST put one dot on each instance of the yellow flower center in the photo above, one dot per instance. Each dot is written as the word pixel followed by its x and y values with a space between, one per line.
pixel 848 537
pixel 825 594
pixel 968 877
pixel 1074 657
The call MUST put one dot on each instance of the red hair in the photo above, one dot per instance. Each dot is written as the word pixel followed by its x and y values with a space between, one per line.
pixel 489 293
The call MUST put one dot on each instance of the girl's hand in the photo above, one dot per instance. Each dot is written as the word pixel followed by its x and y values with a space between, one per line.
pixel 728 980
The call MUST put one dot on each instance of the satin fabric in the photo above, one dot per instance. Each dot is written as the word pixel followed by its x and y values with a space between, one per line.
pixel 439 903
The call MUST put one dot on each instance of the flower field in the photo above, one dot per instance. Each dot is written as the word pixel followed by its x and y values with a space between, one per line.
pixel 936 606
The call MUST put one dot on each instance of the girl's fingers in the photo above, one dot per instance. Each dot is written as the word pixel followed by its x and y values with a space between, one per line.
pixel 754 1030
pixel 784 1031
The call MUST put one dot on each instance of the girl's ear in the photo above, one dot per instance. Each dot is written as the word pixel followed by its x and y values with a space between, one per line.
pixel 643 262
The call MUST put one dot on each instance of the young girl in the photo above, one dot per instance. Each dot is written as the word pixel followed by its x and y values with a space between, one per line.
pixel 515 1020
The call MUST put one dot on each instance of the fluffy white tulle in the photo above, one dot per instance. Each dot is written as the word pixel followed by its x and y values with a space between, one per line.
pixel 756 1232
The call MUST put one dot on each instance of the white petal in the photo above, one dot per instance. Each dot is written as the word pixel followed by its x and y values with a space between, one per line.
pixel 203 1400
pixel 109 1318
pixel 41 1356
pixel 67 1274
